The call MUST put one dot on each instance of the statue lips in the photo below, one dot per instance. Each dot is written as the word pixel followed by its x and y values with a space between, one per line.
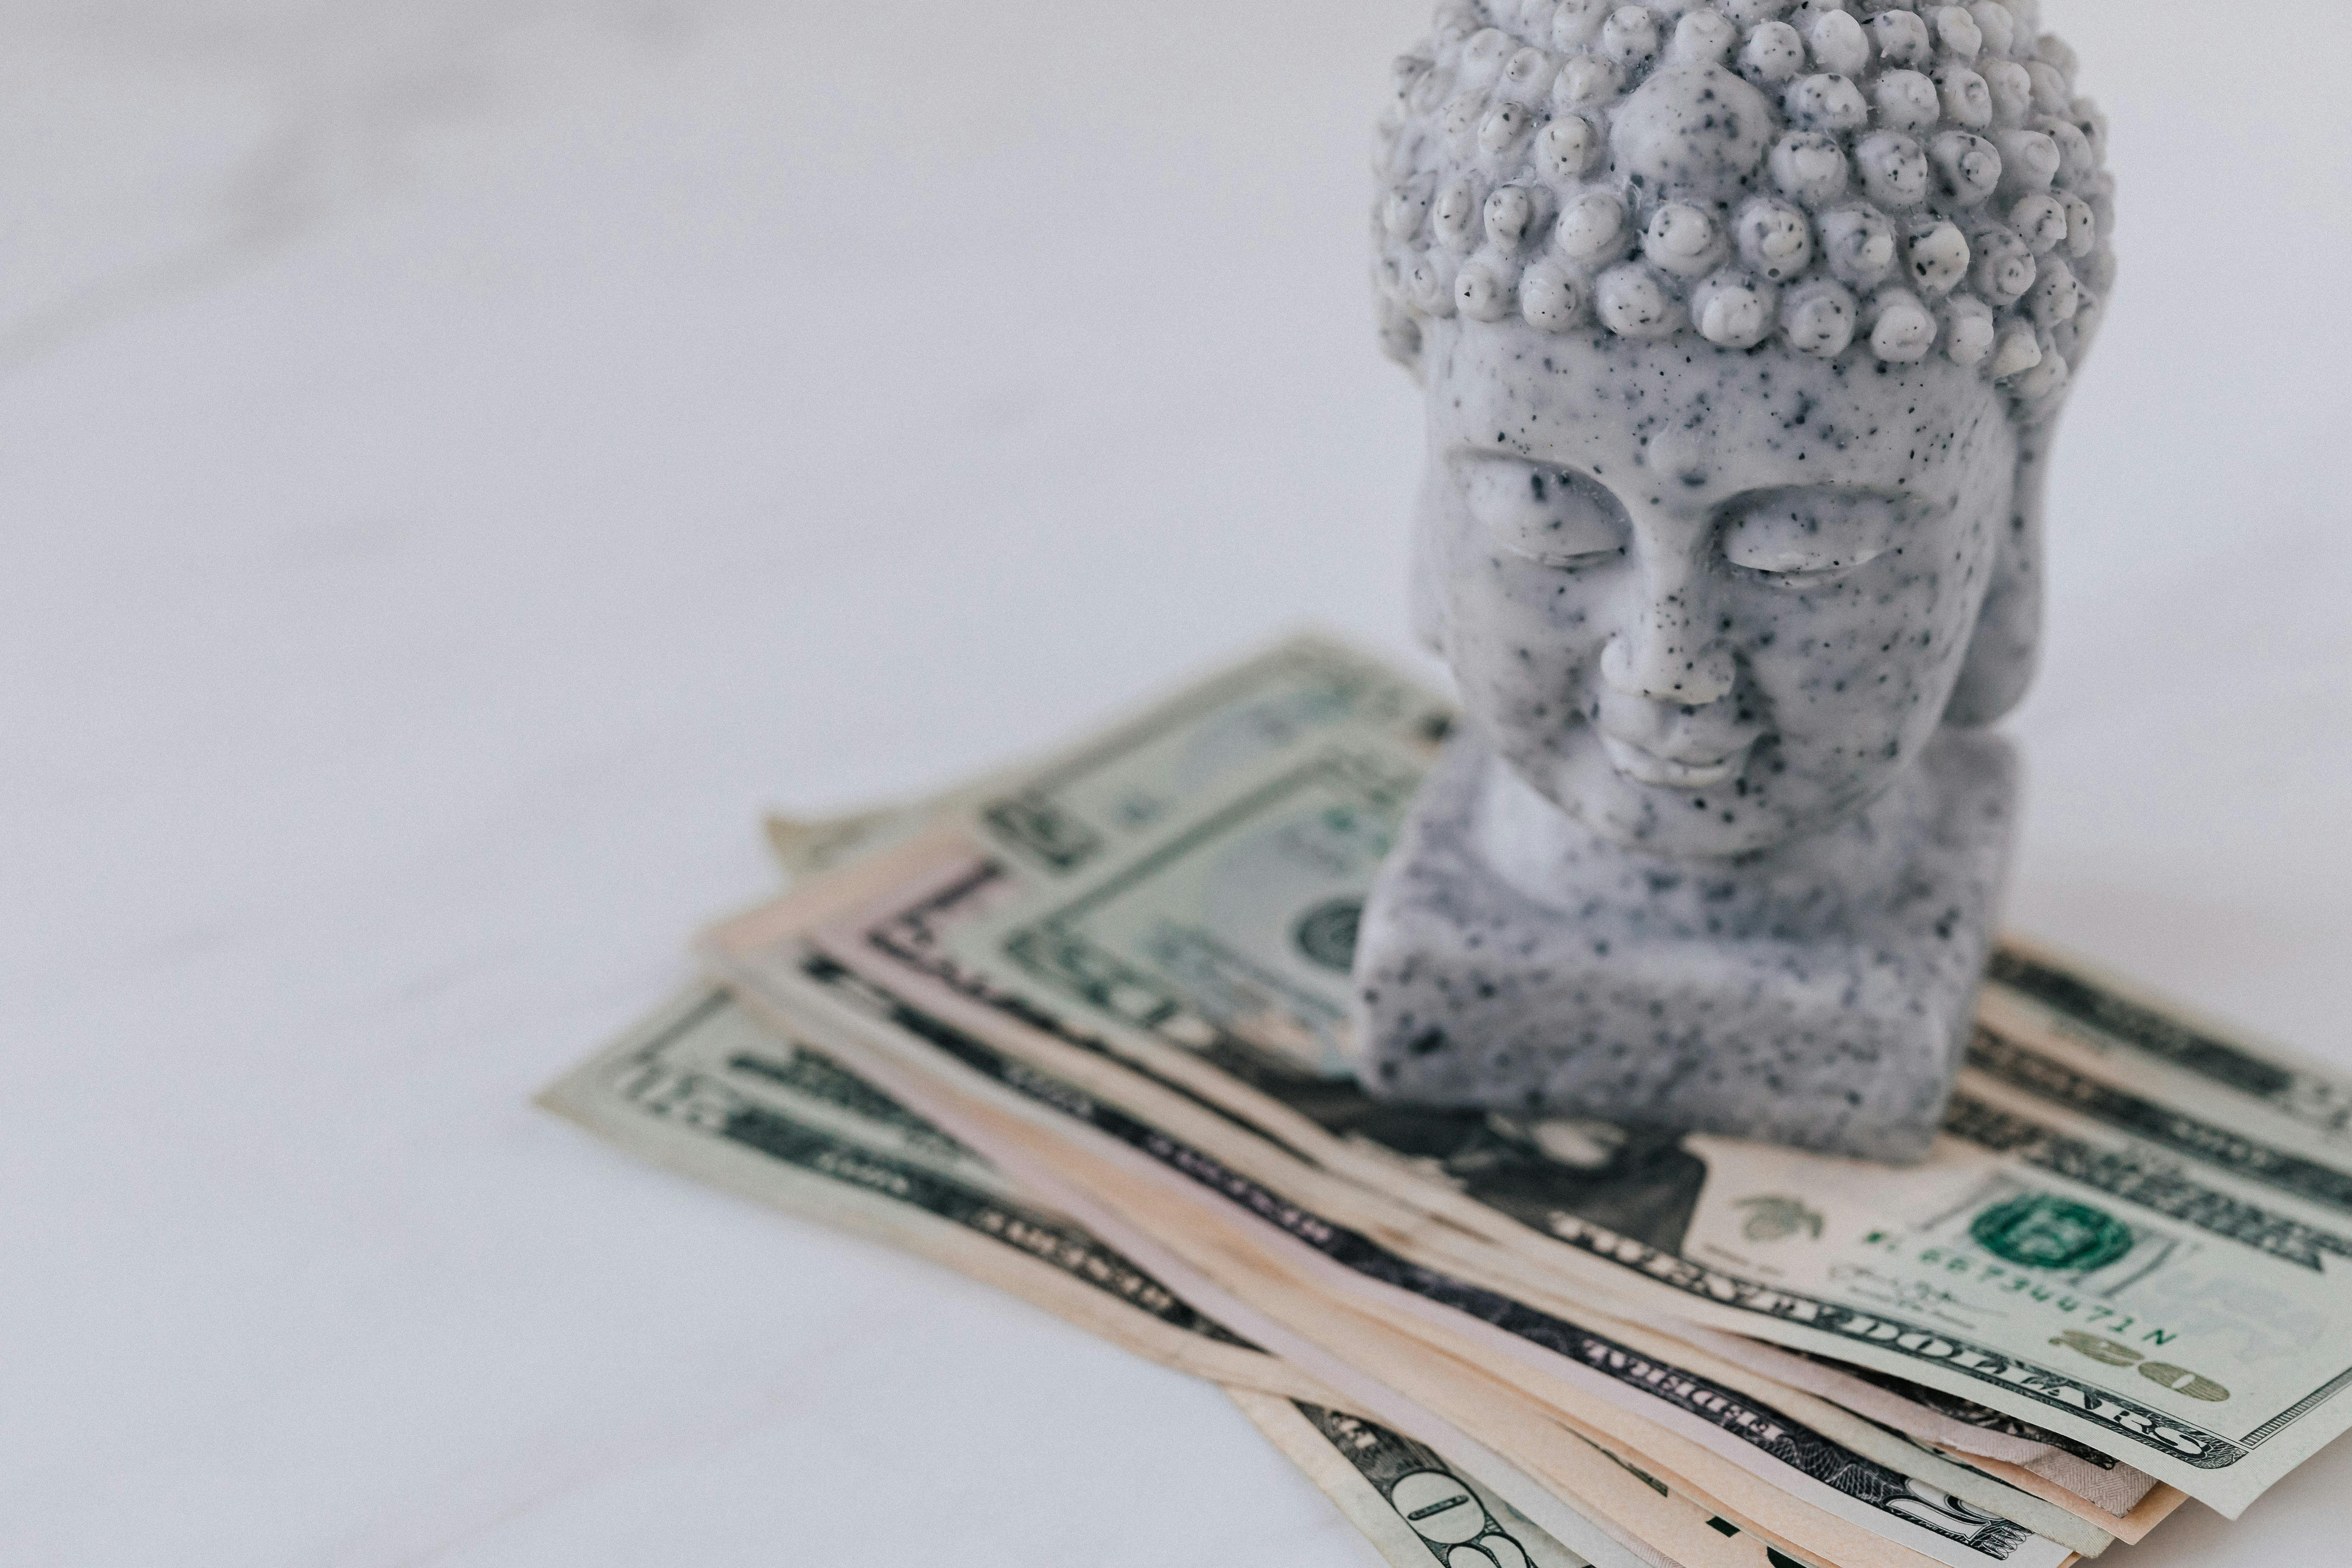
pixel 1667 746
pixel 1645 766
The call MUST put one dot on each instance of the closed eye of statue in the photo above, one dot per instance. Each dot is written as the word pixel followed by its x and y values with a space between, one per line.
pixel 1799 536
pixel 1555 516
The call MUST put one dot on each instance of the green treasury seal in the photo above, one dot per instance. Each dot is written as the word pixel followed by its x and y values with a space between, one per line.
pixel 2043 1232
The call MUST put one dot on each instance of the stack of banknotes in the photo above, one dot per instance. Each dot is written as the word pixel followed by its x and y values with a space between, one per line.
pixel 1080 1031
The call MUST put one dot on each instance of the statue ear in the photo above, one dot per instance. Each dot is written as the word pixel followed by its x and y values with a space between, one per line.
pixel 2006 646
pixel 1401 334
pixel 1426 593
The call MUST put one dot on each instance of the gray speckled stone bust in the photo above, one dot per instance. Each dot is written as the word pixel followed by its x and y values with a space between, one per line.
pixel 1742 332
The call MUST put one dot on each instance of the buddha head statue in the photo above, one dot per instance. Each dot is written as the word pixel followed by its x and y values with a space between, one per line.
pixel 1742 329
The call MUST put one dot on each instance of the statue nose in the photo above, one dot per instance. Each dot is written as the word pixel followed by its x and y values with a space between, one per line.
pixel 1664 661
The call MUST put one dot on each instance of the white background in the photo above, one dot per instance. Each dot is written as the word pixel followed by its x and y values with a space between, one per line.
pixel 463 458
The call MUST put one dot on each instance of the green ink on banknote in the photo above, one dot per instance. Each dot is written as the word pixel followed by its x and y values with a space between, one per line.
pixel 1772 1217
pixel 2043 1232
pixel 1327 934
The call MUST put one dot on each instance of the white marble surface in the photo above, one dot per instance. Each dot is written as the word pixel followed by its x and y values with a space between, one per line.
pixel 463 458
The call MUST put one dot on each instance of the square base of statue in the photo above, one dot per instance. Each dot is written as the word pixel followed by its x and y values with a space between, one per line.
pixel 1816 995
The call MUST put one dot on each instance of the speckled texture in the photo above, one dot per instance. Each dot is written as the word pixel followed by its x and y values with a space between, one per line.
pixel 1709 600
pixel 1815 995
pixel 1742 332
pixel 1708 610
pixel 1895 185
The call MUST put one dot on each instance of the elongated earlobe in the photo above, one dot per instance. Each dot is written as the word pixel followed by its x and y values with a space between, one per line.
pixel 1426 593
pixel 1400 336
pixel 2007 646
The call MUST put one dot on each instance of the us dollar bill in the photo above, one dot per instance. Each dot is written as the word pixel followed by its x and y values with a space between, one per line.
pixel 702 1086
pixel 1756 1462
pixel 2155 1277
pixel 2099 1489
pixel 2296 1105
pixel 1418 1508
pixel 1415 1508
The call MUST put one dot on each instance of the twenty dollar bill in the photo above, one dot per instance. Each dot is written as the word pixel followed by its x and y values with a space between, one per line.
pixel 2104 1246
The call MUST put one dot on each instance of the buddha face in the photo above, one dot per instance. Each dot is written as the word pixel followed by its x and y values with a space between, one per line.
pixel 1705 601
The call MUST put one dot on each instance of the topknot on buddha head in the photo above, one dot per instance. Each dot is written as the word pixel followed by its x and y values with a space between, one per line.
pixel 1848 177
